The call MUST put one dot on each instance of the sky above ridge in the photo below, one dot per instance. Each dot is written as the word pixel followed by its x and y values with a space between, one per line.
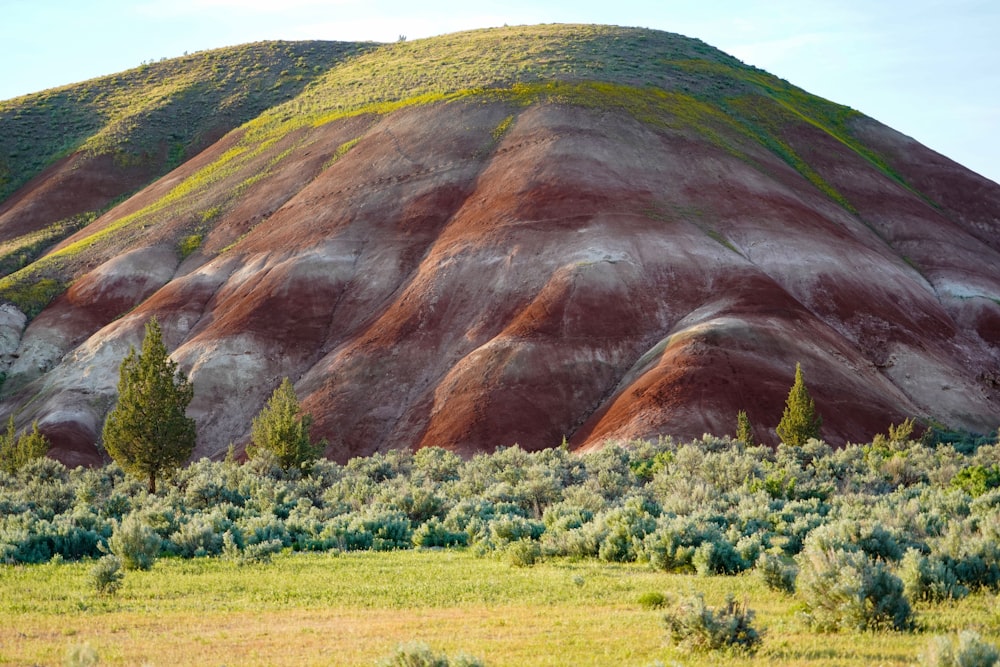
pixel 927 68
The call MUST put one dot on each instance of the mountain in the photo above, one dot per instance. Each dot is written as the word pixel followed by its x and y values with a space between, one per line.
pixel 512 235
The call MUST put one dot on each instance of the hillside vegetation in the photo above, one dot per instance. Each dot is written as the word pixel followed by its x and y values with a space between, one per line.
pixel 159 112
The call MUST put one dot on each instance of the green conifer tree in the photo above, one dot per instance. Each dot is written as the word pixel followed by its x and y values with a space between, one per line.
pixel 283 431
pixel 800 420
pixel 744 429
pixel 148 433
pixel 17 450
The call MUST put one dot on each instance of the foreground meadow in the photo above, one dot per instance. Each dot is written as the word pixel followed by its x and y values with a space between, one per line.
pixel 355 608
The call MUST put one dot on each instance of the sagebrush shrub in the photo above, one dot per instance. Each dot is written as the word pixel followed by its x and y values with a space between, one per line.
pixel 389 530
pixel 969 651
pixel 106 575
pixel 420 655
pixel 866 536
pixel 652 600
pixel 717 557
pixel 200 536
pixel 683 543
pixel 437 464
pixel 523 553
pixel 695 626
pixel 509 528
pixel 249 554
pixel 134 542
pixel 776 573
pixel 434 533
pixel 847 590
pixel 929 578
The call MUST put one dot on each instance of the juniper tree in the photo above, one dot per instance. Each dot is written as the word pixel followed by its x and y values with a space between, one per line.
pixel 148 433
pixel 282 430
pixel 17 450
pixel 800 420
pixel 744 429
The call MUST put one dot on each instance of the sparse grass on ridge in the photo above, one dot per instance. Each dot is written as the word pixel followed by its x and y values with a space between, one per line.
pixel 158 111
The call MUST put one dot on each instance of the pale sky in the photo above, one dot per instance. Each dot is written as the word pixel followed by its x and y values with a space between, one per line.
pixel 928 68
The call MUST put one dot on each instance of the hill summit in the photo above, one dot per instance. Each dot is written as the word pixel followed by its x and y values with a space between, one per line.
pixel 514 235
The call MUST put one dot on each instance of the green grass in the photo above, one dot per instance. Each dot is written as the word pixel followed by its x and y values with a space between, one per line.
pixel 20 251
pixel 189 244
pixel 176 104
pixel 32 294
pixel 320 609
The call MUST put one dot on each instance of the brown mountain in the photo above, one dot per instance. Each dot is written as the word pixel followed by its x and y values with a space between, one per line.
pixel 520 235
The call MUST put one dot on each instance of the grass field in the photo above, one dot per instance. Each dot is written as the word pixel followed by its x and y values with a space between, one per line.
pixel 354 608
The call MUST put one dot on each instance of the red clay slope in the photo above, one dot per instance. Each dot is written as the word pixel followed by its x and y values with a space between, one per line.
pixel 440 275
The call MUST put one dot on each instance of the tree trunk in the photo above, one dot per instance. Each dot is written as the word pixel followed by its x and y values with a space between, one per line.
pixel 152 483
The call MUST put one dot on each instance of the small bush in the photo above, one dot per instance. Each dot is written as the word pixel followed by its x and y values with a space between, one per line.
pixel 189 244
pixel 197 537
pixel 977 479
pixel 775 573
pixel 106 576
pixel 867 536
pixel 970 651
pixel 250 554
pixel 420 655
pixel 652 600
pixel 136 544
pixel 81 655
pixel 434 533
pixel 523 553
pixel 718 557
pixel 676 540
pixel 847 590
pixel 929 579
pixel 700 628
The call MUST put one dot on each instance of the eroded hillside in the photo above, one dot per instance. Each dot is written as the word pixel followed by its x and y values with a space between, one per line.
pixel 525 234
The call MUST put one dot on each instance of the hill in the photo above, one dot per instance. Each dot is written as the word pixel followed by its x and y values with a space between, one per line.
pixel 524 234
pixel 67 153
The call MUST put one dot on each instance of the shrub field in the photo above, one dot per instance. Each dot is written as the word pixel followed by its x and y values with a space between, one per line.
pixel 870 554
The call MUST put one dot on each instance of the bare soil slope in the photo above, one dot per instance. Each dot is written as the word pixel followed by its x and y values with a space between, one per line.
pixel 591 247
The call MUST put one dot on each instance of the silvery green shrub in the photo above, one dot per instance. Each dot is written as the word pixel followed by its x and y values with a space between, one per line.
pixel 847 590
pixel 134 542
pixel 969 651
pixel 776 573
pixel 929 578
pixel 106 575
pixel 421 655
pixel 697 627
